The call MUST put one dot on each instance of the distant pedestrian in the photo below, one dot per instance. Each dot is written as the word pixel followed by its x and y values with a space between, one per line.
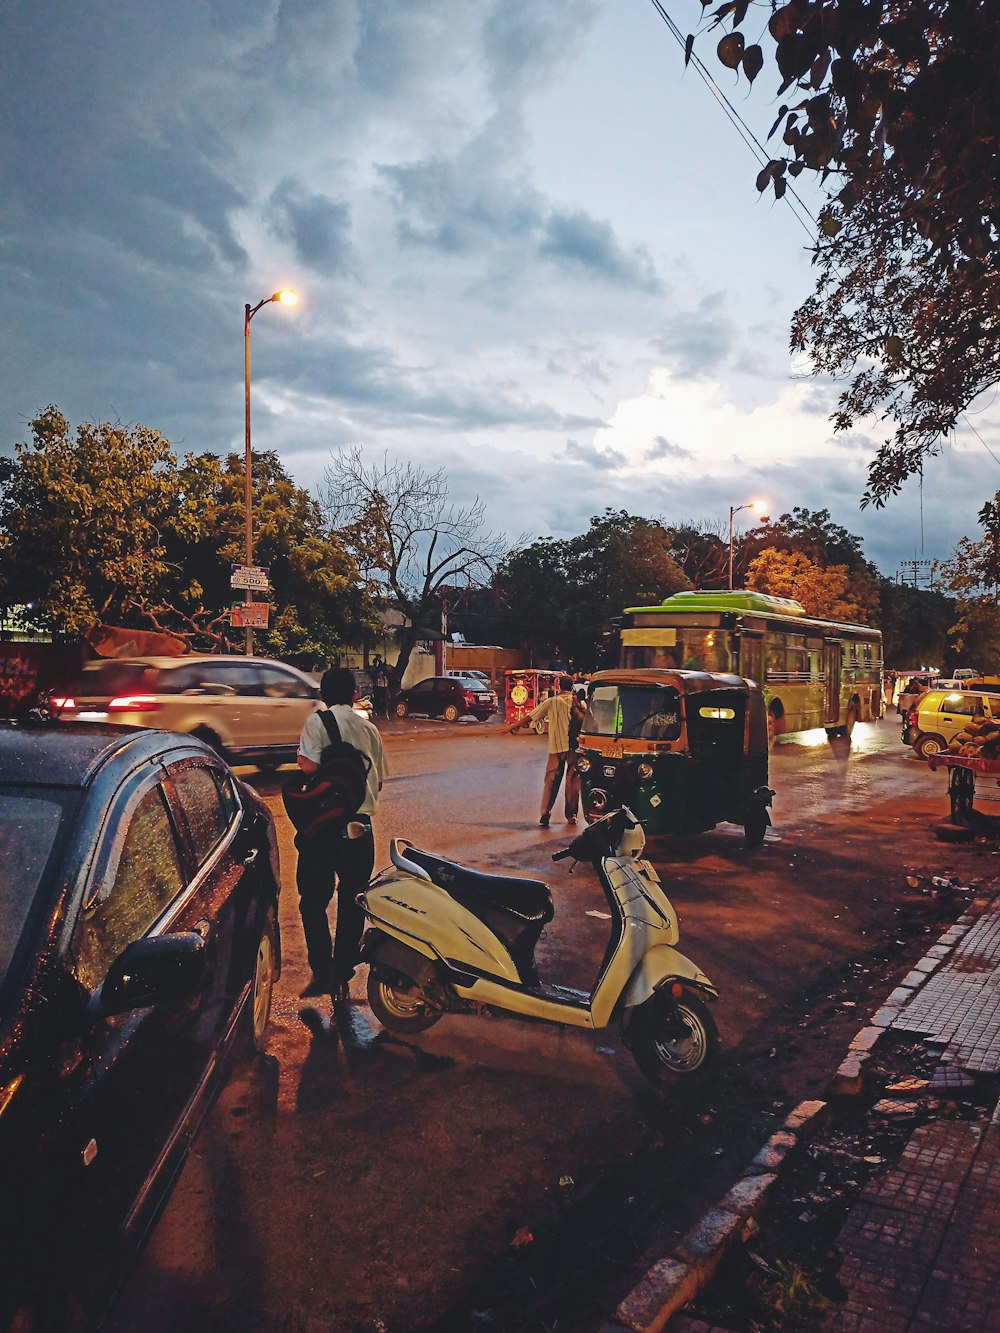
pixel 564 711
pixel 340 858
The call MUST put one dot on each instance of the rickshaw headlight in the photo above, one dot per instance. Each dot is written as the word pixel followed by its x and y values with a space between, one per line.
pixel 645 770
pixel 583 764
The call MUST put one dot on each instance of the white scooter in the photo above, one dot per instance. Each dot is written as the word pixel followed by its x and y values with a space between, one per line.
pixel 441 938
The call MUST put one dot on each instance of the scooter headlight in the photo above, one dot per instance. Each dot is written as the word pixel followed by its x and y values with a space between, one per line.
pixel 645 770
pixel 583 764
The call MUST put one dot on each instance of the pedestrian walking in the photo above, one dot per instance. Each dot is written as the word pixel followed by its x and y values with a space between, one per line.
pixel 564 712
pixel 338 859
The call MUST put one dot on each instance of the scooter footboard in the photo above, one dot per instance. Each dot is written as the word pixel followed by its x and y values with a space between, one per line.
pixel 660 965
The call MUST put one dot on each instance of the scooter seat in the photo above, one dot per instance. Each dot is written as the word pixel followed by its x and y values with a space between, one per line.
pixel 529 899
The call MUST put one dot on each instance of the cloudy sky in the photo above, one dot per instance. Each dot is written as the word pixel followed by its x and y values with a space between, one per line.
pixel 528 246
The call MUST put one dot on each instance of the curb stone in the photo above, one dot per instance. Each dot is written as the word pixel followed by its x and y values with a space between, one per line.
pixel 674 1281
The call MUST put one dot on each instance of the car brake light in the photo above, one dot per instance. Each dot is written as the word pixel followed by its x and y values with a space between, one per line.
pixel 911 718
pixel 131 703
pixel 59 702
pixel 470 698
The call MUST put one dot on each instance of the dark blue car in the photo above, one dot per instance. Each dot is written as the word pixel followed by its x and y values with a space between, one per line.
pixel 139 945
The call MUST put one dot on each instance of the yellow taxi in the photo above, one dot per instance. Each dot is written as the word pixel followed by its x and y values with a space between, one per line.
pixel 941 714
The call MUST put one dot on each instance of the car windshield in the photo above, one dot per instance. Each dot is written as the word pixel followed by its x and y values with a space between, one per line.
pixel 30 823
pixel 640 712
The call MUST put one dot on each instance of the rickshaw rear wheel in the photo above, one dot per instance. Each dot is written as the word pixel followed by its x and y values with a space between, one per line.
pixel 755 826
pixel 674 1041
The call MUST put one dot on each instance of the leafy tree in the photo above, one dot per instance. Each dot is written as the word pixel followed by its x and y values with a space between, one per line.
pixel 895 107
pixel 106 527
pixel 564 598
pixel 824 592
pixel 407 537
pixel 915 623
pixel 813 533
pixel 85 523
pixel 973 576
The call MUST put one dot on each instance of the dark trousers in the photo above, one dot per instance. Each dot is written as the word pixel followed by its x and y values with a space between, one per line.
pixel 327 863
pixel 557 764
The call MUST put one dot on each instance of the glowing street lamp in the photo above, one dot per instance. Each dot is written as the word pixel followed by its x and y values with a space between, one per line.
pixel 759 507
pixel 285 297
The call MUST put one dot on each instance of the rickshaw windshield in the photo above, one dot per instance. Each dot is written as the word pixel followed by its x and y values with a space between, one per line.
pixel 638 712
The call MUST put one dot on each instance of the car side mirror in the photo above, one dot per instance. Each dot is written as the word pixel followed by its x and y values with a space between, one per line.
pixel 163 969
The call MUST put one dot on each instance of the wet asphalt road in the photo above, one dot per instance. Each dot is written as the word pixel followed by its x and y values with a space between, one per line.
pixel 355 1181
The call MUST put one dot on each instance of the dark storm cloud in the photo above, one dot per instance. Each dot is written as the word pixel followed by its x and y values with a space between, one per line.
pixel 697 342
pixel 593 456
pixel 584 243
pixel 663 448
pixel 318 227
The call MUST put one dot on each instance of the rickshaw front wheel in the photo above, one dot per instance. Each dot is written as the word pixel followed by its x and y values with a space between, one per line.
pixel 755 826
pixel 674 1041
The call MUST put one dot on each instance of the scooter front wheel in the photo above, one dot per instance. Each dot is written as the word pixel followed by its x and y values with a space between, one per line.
pixel 399 1008
pixel 674 1041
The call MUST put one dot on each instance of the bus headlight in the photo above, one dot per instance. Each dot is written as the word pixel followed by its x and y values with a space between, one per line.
pixel 645 770
pixel 583 764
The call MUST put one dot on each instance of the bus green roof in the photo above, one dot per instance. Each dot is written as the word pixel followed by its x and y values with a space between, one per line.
pixel 758 603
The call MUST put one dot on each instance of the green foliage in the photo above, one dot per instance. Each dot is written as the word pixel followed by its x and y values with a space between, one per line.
pixel 823 591
pixel 563 598
pixel 793 1303
pixel 915 624
pixel 825 545
pixel 973 576
pixel 106 527
pixel 895 108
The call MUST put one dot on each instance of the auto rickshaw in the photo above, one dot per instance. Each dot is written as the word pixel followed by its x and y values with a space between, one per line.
pixel 524 689
pixel 684 750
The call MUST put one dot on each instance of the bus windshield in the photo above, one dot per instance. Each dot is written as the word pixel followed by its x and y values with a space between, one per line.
pixel 683 649
pixel 637 712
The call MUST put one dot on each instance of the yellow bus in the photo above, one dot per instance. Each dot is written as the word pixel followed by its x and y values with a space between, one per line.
pixel 814 673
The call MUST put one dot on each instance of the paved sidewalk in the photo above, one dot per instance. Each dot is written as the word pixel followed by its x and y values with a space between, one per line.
pixel 921 1245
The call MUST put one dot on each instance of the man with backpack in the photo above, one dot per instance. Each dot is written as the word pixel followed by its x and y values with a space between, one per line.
pixel 340 855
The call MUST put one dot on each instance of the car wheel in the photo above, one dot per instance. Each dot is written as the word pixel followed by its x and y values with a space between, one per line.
pixel 263 983
pixel 402 708
pixel 451 713
pixel 929 745
pixel 268 765
pixel 210 739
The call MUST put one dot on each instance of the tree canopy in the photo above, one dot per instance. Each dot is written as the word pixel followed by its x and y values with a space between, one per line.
pixel 103 526
pixel 563 599
pixel 894 106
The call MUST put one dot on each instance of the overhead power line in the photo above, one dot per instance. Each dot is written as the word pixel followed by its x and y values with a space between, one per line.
pixel 791 198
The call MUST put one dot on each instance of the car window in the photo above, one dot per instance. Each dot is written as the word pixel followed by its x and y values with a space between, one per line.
pixel 140 876
pixel 111 678
pixel 235 676
pixel 966 704
pixel 422 687
pixel 29 828
pixel 199 795
pixel 278 684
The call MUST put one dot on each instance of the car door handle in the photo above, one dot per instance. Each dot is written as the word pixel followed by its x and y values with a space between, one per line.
pixel 251 857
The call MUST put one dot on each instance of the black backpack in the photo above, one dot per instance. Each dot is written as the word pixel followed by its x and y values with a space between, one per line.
pixel 331 796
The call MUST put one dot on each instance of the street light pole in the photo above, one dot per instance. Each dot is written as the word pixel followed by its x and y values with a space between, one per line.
pixel 758 506
pixel 286 297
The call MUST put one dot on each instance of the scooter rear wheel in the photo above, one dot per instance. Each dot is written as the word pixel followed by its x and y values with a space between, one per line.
pixel 399 1008
pixel 674 1041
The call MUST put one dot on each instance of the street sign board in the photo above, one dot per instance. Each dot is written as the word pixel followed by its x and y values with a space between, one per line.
pixel 250 615
pixel 254 577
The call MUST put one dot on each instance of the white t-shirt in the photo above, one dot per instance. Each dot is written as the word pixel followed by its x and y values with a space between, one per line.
pixel 355 731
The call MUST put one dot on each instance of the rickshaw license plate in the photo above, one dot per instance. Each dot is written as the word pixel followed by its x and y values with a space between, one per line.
pixel 615 752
